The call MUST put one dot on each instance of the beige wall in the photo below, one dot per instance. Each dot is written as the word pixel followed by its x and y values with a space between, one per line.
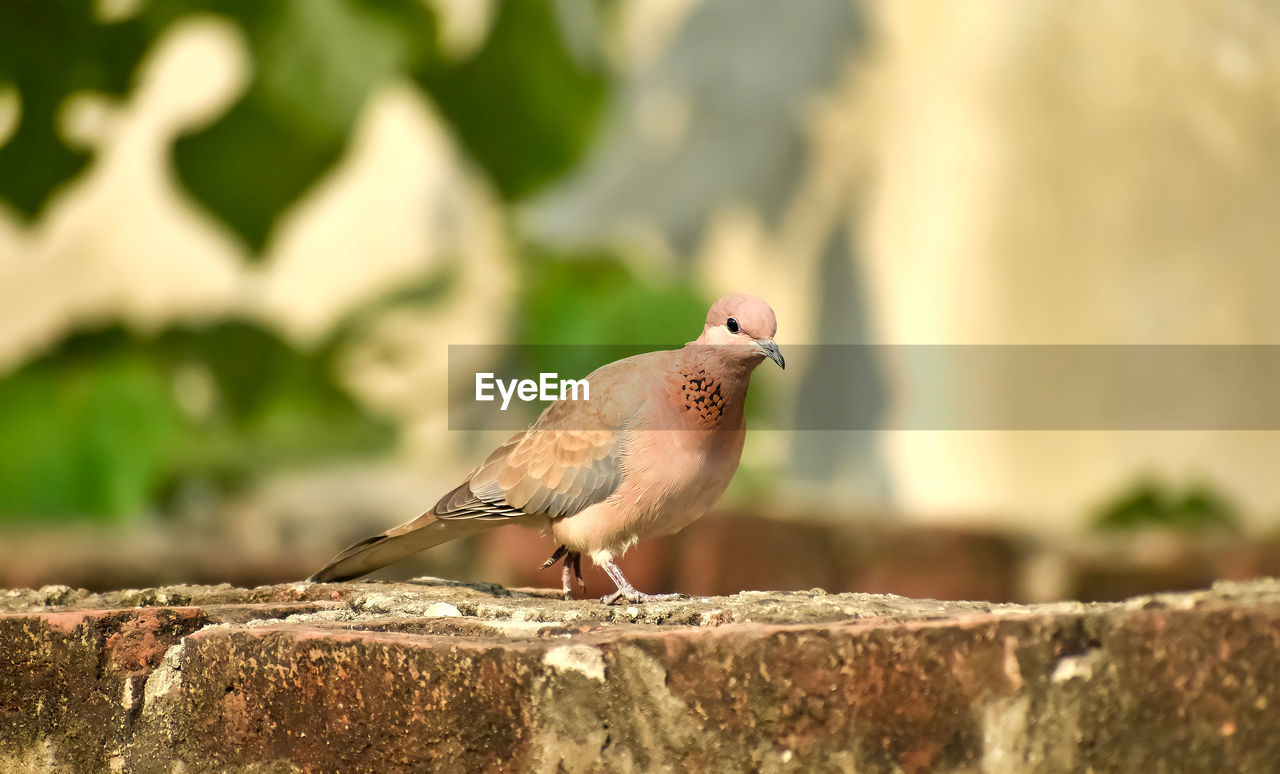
pixel 1074 173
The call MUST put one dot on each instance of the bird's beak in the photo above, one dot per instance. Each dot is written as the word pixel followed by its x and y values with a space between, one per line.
pixel 771 351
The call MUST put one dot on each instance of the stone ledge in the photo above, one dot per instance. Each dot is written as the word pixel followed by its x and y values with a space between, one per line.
pixel 430 675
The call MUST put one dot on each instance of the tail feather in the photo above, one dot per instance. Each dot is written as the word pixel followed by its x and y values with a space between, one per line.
pixel 381 550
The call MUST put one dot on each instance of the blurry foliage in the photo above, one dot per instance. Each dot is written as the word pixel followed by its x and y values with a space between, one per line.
pixel 52 49
pixel 594 299
pixel 521 105
pixel 1152 504
pixel 84 437
pixel 108 424
pixel 315 64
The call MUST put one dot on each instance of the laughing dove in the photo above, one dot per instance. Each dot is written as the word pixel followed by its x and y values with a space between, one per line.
pixel 651 450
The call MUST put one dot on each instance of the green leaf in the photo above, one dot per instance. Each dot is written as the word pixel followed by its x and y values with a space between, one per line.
pixel 83 436
pixel 316 63
pixel 593 299
pixel 52 49
pixel 522 106
pixel 100 428
pixel 1151 504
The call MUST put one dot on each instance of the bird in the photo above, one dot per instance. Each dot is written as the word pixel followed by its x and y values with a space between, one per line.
pixel 650 451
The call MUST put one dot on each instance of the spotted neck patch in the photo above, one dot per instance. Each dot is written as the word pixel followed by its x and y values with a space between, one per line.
pixel 701 396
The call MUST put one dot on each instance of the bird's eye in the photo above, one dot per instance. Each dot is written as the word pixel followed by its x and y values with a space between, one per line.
pixel 732 325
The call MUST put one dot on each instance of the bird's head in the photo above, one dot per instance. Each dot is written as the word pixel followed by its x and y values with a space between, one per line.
pixel 745 321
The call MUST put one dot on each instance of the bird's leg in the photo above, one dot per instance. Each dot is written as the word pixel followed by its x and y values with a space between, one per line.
pixel 577 570
pixel 572 568
pixel 566 579
pixel 627 591
pixel 566 572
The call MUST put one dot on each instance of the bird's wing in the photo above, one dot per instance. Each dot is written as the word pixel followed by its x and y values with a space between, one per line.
pixel 539 472
pixel 571 458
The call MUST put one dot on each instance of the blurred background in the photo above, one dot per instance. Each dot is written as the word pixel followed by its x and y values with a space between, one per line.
pixel 238 237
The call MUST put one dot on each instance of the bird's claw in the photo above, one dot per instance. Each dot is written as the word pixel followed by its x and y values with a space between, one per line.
pixel 561 551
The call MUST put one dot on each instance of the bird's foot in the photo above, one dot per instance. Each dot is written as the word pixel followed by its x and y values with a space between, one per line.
pixel 637 597
pixel 627 591
pixel 572 569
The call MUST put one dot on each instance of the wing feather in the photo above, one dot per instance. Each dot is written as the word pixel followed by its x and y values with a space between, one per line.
pixel 569 460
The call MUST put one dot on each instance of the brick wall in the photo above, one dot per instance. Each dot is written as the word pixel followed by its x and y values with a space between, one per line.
pixel 421 676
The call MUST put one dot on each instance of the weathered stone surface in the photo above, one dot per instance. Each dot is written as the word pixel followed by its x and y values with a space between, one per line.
pixel 427 676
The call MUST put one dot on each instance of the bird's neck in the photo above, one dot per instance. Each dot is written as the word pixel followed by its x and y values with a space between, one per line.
pixel 713 384
pixel 731 362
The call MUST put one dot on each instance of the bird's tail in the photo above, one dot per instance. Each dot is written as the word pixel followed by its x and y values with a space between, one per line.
pixel 378 551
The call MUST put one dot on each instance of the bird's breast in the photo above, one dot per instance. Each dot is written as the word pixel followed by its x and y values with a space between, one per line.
pixel 683 472
pixel 670 478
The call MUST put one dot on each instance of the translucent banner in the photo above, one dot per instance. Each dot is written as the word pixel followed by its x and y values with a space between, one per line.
pixel 912 387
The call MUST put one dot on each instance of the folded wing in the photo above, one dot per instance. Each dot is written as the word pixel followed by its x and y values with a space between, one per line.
pixel 551 473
